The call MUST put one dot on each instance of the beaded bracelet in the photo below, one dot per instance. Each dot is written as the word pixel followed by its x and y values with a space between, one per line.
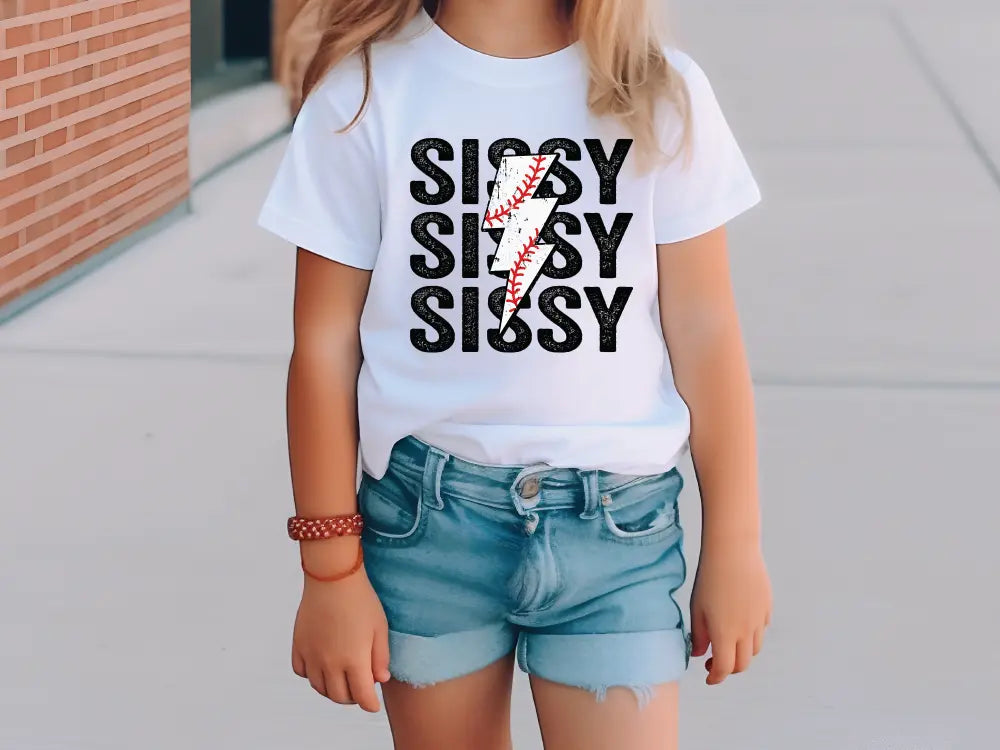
pixel 302 529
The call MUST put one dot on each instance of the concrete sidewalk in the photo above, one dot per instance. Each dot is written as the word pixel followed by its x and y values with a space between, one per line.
pixel 141 409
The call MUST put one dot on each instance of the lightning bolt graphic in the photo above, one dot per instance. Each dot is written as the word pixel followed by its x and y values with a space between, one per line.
pixel 514 208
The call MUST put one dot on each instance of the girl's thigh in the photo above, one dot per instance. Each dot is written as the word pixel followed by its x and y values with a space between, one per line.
pixel 471 712
pixel 572 719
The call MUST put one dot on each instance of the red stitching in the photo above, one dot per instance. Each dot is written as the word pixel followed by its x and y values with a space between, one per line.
pixel 521 193
pixel 514 295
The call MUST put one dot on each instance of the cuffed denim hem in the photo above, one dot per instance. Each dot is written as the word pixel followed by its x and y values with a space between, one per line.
pixel 424 660
pixel 598 661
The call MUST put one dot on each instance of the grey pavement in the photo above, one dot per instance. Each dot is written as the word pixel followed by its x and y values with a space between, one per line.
pixel 141 410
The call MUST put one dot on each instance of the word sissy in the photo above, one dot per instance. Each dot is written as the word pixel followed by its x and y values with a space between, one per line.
pixel 528 230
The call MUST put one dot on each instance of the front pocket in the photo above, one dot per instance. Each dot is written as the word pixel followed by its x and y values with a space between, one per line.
pixel 393 513
pixel 644 513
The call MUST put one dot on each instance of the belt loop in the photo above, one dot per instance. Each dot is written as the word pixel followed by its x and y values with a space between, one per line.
pixel 433 468
pixel 591 493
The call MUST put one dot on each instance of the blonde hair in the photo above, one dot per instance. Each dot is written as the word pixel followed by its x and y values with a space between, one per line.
pixel 630 76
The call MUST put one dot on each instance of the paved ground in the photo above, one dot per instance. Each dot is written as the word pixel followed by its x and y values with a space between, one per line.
pixel 143 406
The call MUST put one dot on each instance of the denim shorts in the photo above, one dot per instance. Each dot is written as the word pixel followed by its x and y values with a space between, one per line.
pixel 574 568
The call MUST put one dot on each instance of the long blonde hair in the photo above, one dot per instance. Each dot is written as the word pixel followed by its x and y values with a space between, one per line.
pixel 629 74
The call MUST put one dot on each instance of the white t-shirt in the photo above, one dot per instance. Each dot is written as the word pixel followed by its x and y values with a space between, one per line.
pixel 512 316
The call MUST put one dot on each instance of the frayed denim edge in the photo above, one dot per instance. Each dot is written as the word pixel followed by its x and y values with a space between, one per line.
pixel 643 693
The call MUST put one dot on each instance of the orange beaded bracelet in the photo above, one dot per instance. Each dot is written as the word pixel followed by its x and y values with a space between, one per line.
pixel 303 529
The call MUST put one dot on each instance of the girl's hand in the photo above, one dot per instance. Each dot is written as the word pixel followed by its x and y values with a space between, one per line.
pixel 341 640
pixel 730 608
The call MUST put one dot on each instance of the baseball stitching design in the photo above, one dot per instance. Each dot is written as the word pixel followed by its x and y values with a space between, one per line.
pixel 524 191
pixel 514 206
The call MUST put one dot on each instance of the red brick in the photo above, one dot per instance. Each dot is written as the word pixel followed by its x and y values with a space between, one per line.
pixel 19 210
pixel 73 158
pixel 71 212
pixel 106 14
pixel 89 228
pixel 145 5
pixel 132 108
pixel 35 259
pixel 37 118
pixel 8 127
pixel 68 106
pixel 18 35
pixel 53 195
pixel 82 75
pixel 171 45
pixel 10 273
pixel 86 127
pixel 167 139
pixel 140 56
pixel 37 60
pixel 68 52
pixel 92 98
pixel 109 118
pixel 170 93
pixel 9 243
pixel 54 140
pixel 8 68
pixel 50 29
pixel 36 6
pixel 40 228
pixel 19 153
pixel 17 95
pixel 111 167
pixel 97 43
pixel 56 83
pixel 81 21
pixel 38 174
pixel 110 192
pixel 11 184
pixel 175 67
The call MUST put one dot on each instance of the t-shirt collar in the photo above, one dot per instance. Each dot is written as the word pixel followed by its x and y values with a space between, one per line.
pixel 496 71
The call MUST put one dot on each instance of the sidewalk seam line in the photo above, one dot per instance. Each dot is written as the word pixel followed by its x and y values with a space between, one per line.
pixel 916 52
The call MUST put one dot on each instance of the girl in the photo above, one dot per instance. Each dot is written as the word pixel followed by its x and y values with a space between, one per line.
pixel 507 211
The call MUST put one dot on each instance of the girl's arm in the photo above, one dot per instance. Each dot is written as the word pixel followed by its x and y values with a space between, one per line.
pixel 322 403
pixel 341 637
pixel 731 600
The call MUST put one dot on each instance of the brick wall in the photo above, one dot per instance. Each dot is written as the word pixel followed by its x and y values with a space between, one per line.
pixel 93 128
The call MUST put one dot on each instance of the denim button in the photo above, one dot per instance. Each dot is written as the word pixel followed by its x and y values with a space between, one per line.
pixel 605 500
pixel 530 487
pixel 531 523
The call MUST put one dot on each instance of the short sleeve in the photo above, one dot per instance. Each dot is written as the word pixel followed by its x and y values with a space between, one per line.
pixel 325 196
pixel 713 185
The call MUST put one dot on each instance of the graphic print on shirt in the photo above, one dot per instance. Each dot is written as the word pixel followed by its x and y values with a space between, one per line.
pixel 529 230
pixel 514 207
